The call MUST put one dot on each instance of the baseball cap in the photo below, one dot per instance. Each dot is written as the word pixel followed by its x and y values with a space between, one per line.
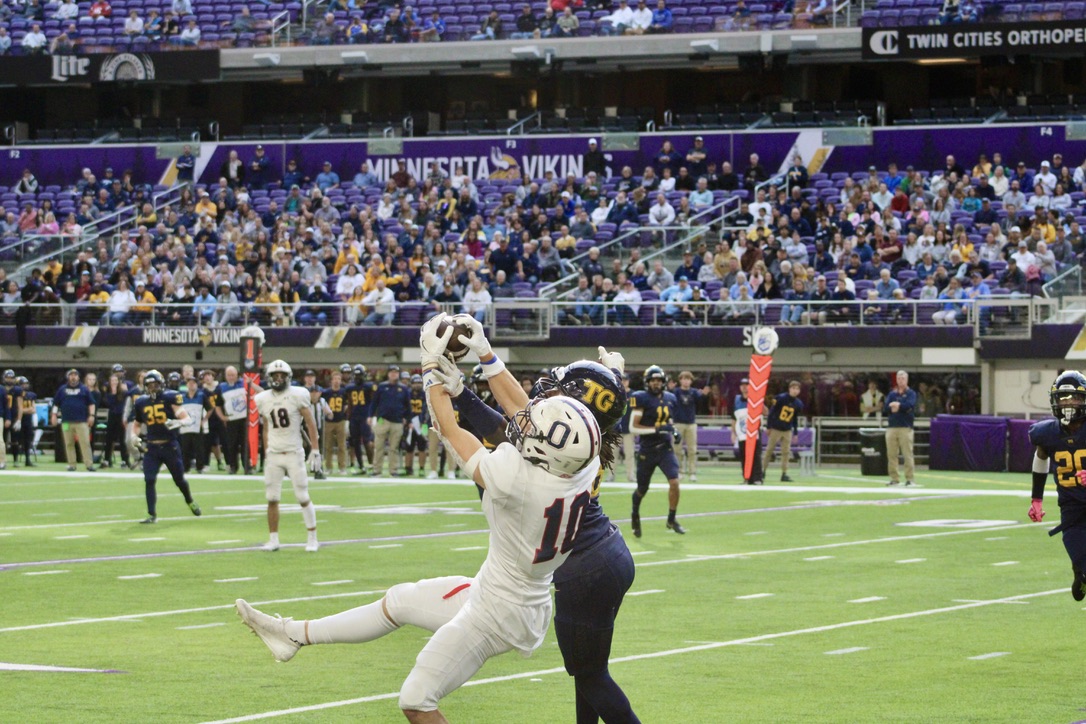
pixel 118 368
pixel 1044 163
pixel 592 142
pixel 393 368
pixel 1023 243
pixel 1016 228
pixel 744 381
pixel 698 138
pixel 416 378
pixel 310 373
pixel 72 371
pixel 327 163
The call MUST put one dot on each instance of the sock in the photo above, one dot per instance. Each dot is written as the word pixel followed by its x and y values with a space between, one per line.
pixel 183 486
pixel 671 516
pixel 355 626
pixel 309 516
pixel 636 502
pixel 600 695
pixel 273 538
pixel 152 498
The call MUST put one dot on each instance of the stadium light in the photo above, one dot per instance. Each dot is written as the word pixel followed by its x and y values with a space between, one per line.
pixel 355 57
pixel 527 52
pixel 705 46
pixel 267 59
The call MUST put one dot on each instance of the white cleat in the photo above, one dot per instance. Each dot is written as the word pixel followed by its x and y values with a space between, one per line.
pixel 693 478
pixel 312 546
pixel 450 476
pixel 432 475
pixel 270 546
pixel 272 631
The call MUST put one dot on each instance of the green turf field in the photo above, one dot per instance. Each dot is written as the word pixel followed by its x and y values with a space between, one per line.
pixel 832 599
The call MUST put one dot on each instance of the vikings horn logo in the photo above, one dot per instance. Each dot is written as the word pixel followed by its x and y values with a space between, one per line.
pixel 505 166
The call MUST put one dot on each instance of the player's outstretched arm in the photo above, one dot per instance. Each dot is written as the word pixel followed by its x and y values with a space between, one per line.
pixel 507 391
pixel 1040 477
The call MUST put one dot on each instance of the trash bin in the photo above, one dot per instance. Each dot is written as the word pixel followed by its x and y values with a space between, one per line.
pixel 873 451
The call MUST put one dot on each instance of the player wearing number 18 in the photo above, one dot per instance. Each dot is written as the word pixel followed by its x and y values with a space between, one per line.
pixel 1061 445
pixel 283 409
pixel 161 413
pixel 536 487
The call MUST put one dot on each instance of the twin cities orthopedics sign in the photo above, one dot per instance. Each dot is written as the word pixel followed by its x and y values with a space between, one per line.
pixel 973 39
pixel 180 65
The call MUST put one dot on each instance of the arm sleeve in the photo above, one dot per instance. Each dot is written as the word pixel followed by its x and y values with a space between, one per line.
pixel 486 420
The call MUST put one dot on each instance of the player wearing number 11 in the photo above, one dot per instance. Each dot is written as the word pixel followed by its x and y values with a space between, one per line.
pixel 1063 441
pixel 536 488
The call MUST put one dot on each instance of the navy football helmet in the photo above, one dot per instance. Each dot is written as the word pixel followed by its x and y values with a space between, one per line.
pixel 153 383
pixel 359 373
pixel 173 380
pixel 1068 397
pixel 598 387
pixel 655 373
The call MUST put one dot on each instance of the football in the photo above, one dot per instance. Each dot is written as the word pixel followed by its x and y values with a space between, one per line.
pixel 455 349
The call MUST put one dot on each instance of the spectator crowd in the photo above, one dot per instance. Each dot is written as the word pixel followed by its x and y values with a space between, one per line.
pixel 311 248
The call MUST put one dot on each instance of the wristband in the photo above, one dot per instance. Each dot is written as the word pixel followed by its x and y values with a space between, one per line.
pixel 494 367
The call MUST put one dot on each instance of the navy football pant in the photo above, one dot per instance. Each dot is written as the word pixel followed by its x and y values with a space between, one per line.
pixel 588 591
pixel 157 455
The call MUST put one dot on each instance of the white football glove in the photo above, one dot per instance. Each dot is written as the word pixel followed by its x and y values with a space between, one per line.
pixel 17 425
pixel 448 375
pixel 174 424
pixel 431 346
pixel 314 461
pixel 477 341
pixel 612 360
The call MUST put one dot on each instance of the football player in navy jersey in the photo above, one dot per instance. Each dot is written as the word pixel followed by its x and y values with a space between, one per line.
pixel 651 415
pixel 28 405
pixel 162 413
pixel 1061 447
pixel 359 435
pixel 590 584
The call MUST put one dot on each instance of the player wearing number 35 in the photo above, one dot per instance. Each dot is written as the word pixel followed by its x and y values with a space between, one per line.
pixel 536 486
pixel 1061 446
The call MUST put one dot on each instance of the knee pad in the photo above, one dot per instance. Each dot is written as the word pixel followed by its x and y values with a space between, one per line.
pixel 415 695
pixel 642 487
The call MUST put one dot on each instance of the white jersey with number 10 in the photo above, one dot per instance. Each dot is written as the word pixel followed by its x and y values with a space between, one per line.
pixel 282 416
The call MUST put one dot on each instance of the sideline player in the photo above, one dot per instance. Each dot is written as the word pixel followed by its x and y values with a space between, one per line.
pixel 1063 441
pixel 536 486
pixel 416 434
pixel 283 408
pixel 335 426
pixel 590 585
pixel 162 413
pixel 783 422
pixel 360 436
pixel 651 421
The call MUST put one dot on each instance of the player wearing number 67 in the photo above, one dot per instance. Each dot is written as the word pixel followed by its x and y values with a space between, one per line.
pixel 536 487
pixel 1063 441
pixel 283 409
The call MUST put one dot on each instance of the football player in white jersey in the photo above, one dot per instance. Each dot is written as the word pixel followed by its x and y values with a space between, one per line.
pixel 536 487
pixel 283 409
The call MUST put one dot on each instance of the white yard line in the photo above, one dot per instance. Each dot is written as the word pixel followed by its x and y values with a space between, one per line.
pixel 751 596
pixel 911 560
pixel 139 576
pixel 819 558
pixel 333 583
pixel 993 655
pixel 1006 563
pixel 202 625
pixel 646 592
pixel 237 580
pixel 868 599
pixel 659 654
pixel 43 573
pixel 387 545
pixel 852 650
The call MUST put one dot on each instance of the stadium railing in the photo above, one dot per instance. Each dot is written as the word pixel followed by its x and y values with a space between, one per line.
pixel 1002 317
pixel 35 250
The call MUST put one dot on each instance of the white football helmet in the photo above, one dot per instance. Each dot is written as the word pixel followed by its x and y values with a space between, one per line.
pixel 279 374
pixel 559 434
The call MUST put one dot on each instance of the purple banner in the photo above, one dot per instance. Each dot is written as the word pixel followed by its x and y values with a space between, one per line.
pixel 968 442
pixel 661 337
pixel 498 159
pixel 1020 458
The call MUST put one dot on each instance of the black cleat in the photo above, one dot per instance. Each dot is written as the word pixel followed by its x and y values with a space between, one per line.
pixel 149 520
pixel 195 509
pixel 635 524
pixel 785 478
pixel 676 526
pixel 1077 590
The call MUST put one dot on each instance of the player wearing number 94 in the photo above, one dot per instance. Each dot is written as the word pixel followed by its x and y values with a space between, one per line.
pixel 161 413
pixel 1061 445
pixel 536 487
